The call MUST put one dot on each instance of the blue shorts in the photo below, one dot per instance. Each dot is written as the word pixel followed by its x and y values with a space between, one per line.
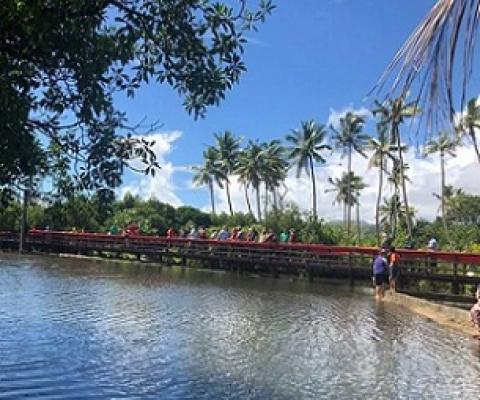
pixel 381 279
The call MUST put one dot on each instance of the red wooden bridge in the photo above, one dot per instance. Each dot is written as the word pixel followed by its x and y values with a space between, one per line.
pixel 448 275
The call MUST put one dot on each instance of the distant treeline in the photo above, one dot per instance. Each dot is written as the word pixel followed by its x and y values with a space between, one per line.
pixel 80 212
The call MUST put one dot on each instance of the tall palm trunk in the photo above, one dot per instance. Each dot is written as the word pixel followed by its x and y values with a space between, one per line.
pixel 408 217
pixel 444 214
pixel 227 187
pixel 275 201
pixel 475 143
pixel 23 222
pixel 212 197
pixel 359 229
pixel 265 201
pixel 349 194
pixel 379 199
pixel 259 208
pixel 394 213
pixel 247 199
pixel 314 189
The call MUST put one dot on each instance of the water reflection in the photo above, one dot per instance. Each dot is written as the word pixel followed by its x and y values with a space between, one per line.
pixel 80 329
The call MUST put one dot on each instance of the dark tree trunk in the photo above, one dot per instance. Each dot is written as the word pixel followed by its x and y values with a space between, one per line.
pixel 379 199
pixel 444 213
pixel 23 222
pixel 259 208
pixel 475 143
pixel 314 190
pixel 212 197
pixel 227 187
pixel 247 199
pixel 349 195
pixel 408 217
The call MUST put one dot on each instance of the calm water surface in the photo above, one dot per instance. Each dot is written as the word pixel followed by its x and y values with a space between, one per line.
pixel 79 329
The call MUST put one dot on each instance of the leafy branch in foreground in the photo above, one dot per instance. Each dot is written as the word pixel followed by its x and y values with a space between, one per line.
pixel 63 61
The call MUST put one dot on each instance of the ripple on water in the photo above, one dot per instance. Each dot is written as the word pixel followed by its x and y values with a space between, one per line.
pixel 83 330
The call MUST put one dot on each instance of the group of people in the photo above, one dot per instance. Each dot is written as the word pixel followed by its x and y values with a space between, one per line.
pixel 385 271
pixel 386 267
pixel 235 234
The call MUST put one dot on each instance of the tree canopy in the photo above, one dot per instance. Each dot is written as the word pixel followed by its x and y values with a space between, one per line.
pixel 62 61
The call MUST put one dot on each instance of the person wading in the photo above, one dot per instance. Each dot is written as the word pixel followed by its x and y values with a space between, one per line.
pixel 380 274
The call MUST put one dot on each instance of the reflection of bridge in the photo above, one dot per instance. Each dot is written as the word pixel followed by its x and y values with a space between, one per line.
pixel 449 275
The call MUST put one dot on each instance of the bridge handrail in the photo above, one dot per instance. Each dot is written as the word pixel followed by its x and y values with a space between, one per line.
pixel 319 249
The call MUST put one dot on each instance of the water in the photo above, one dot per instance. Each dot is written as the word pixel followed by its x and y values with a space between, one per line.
pixel 79 329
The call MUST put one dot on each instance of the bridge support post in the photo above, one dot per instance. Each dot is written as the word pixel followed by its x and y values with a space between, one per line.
pixel 350 269
pixel 455 286
pixel 274 271
pixel 310 273
pixel 399 281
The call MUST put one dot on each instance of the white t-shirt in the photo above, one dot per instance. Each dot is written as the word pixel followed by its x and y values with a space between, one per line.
pixel 432 244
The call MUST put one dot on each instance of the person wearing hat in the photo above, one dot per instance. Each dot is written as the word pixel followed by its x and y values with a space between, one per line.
pixel 475 312
pixel 380 274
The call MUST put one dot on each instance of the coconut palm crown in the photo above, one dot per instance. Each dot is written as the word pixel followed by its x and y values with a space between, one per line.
pixel 228 147
pixel 469 124
pixel 349 138
pixel 308 143
pixel 444 145
pixel 209 173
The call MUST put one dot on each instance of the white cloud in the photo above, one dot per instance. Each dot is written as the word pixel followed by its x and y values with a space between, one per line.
pixel 335 116
pixel 462 172
pixel 161 186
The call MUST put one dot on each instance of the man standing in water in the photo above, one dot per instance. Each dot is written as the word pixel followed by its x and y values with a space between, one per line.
pixel 393 261
pixel 380 274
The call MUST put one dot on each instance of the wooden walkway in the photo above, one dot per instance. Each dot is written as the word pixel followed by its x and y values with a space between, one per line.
pixel 447 275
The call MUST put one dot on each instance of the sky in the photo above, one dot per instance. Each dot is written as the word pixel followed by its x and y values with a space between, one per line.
pixel 312 59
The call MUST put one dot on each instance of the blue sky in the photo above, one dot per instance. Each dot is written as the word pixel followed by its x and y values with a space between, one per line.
pixel 311 58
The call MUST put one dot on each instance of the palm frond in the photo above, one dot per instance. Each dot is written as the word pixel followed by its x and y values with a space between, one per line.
pixel 428 58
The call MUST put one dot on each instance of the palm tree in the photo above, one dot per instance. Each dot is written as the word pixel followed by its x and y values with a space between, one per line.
pixel 248 169
pixel 429 56
pixel 394 179
pixel 451 194
pixel 394 113
pixel 381 150
pixel 209 173
pixel 443 145
pixel 243 177
pixel 274 169
pixel 390 212
pixel 228 148
pixel 340 188
pixel 347 192
pixel 349 137
pixel 308 144
pixel 357 185
pixel 470 122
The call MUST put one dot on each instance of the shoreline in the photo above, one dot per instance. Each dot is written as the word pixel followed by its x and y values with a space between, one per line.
pixel 445 315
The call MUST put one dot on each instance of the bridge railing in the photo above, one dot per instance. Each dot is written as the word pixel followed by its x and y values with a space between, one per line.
pixel 416 262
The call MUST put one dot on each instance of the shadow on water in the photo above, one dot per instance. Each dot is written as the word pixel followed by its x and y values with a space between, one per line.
pixel 83 329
